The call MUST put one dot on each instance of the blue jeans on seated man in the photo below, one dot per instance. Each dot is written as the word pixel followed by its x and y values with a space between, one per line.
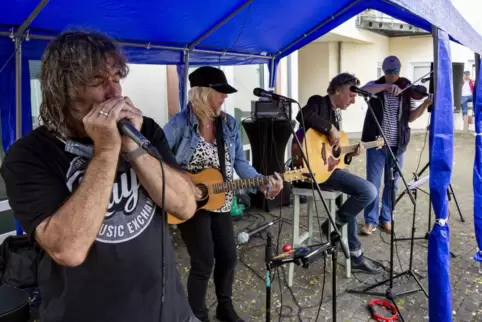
pixel 361 194
pixel 379 161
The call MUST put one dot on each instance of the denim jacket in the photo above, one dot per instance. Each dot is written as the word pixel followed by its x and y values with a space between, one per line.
pixel 183 136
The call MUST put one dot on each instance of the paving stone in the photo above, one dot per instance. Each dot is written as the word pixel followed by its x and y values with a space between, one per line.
pixel 249 291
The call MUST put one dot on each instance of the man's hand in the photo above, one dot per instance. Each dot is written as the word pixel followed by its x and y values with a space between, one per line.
pixel 334 136
pixel 429 100
pixel 274 187
pixel 358 151
pixel 134 115
pixel 101 124
pixel 393 89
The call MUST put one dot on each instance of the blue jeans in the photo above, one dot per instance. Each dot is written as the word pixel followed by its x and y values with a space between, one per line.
pixel 379 160
pixel 361 194
pixel 465 104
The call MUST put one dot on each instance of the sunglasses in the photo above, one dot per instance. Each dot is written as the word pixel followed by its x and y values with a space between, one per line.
pixel 392 71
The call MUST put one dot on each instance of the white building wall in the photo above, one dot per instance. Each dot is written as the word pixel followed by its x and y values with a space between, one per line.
pixel 146 86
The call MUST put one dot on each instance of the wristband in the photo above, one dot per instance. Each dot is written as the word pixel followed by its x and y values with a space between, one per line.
pixel 131 156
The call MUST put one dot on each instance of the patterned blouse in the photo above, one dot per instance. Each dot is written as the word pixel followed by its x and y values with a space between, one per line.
pixel 206 156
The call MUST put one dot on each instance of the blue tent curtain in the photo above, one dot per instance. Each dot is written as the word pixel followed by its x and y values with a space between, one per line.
pixel 477 178
pixel 441 157
pixel 8 103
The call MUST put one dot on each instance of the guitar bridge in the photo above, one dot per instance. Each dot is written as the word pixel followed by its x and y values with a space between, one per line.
pixel 323 153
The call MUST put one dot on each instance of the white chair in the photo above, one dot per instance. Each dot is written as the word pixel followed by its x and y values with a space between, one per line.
pixel 298 240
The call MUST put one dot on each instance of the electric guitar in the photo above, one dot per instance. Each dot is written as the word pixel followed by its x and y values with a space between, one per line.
pixel 214 188
pixel 322 156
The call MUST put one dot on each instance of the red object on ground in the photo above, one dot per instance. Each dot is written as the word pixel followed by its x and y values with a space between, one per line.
pixel 287 248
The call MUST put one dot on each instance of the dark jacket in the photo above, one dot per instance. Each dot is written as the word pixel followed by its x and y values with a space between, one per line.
pixel 318 114
pixel 370 129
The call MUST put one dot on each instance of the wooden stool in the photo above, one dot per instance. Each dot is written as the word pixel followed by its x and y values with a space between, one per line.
pixel 298 240
pixel 14 305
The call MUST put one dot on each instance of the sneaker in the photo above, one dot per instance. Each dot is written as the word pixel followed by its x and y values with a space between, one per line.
pixel 367 230
pixel 364 265
pixel 226 313
pixel 386 227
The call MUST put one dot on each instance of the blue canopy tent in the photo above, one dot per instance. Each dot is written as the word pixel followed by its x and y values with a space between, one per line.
pixel 230 32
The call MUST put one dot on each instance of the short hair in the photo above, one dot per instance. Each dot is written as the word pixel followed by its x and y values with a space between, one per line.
pixel 69 63
pixel 341 80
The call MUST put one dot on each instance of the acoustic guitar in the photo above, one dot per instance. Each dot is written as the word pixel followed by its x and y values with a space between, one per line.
pixel 322 156
pixel 214 188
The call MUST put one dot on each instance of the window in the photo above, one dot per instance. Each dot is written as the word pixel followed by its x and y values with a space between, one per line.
pixel 379 70
pixel 420 71
pixel 35 92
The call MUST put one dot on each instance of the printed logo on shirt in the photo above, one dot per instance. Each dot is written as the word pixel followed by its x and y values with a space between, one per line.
pixel 130 209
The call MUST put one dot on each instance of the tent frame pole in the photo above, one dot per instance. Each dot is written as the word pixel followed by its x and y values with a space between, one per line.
pixel 317 27
pixel 186 75
pixel 18 65
pixel 18 88
pixel 31 17
pixel 218 24
pixel 150 46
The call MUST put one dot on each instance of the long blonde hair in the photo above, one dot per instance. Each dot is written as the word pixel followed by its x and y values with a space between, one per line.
pixel 200 98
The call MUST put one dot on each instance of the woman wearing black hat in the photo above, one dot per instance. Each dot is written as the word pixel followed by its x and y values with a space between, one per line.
pixel 194 135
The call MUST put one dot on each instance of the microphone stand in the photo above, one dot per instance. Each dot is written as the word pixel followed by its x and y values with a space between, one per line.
pixel 300 257
pixel 390 294
pixel 304 257
pixel 312 177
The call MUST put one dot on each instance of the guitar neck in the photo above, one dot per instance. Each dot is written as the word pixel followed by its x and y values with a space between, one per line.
pixel 354 147
pixel 239 184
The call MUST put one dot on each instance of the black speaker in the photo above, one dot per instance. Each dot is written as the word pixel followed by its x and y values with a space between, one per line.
pixel 457 76
pixel 268 139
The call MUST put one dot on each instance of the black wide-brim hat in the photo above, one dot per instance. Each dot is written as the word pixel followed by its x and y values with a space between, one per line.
pixel 208 76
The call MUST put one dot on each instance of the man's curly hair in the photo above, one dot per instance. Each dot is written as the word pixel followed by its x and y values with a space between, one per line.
pixel 69 64
pixel 341 80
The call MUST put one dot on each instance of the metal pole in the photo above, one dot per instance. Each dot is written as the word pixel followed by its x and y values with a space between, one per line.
pixel 31 17
pixel 218 24
pixel 18 87
pixel 271 75
pixel 186 74
pixel 317 27
pixel 138 45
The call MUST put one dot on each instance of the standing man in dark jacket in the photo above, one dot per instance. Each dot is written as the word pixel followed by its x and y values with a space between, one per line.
pixel 394 112
pixel 323 115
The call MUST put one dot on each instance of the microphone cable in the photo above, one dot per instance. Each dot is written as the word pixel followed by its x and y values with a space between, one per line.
pixel 155 154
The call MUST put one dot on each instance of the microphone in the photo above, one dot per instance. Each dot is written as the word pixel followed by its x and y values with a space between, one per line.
pixel 259 92
pixel 426 79
pixel 243 237
pixel 128 129
pixel 357 90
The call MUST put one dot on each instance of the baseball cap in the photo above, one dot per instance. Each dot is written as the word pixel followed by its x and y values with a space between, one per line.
pixel 208 76
pixel 391 63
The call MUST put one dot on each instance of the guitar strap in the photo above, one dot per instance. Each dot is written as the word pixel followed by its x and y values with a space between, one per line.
pixel 220 143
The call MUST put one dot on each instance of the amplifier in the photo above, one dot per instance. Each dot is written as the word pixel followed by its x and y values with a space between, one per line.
pixel 268 109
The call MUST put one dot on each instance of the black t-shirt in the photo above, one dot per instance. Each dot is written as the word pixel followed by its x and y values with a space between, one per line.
pixel 120 279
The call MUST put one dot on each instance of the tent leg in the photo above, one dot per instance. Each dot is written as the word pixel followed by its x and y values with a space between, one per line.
pixel 18 87
pixel 186 74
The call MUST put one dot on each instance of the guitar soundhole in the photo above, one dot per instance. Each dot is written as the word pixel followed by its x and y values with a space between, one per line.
pixel 204 190
pixel 336 152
